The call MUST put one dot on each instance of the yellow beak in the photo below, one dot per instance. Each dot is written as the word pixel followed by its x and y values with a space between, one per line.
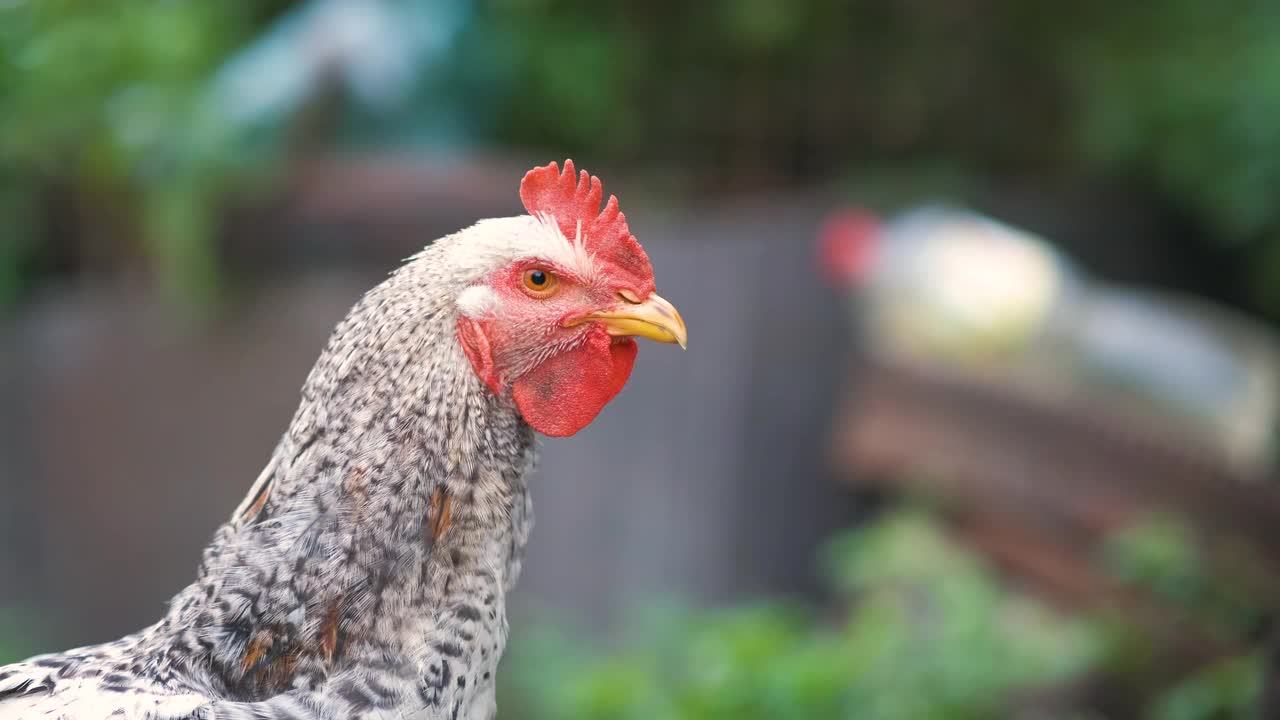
pixel 655 318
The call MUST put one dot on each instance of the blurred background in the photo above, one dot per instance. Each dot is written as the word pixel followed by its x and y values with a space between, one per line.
pixel 980 414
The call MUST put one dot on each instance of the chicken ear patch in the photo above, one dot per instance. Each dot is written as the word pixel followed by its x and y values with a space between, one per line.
pixel 564 394
pixel 476 345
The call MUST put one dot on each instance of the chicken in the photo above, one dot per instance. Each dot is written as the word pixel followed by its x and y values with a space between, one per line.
pixel 952 288
pixel 934 282
pixel 364 575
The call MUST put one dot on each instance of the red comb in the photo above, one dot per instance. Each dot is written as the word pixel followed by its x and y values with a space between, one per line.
pixel 574 202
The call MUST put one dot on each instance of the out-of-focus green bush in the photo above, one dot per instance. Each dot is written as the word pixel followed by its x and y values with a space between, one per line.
pixel 1183 95
pixel 1161 555
pixel 104 123
pixel 1227 690
pixel 1174 98
pixel 19 635
pixel 929 635
pixel 925 631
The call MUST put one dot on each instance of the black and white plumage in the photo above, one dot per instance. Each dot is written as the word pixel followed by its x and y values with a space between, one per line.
pixel 365 574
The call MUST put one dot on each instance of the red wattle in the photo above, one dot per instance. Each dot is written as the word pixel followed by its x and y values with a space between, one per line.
pixel 565 393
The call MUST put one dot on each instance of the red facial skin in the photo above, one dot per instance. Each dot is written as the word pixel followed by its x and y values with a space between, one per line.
pixel 560 377
pixel 847 246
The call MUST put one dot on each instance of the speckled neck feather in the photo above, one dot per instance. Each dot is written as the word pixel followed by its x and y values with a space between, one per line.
pixel 395 508
pixel 365 574
pixel 367 568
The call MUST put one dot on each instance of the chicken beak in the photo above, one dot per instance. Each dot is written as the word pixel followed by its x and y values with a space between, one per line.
pixel 654 318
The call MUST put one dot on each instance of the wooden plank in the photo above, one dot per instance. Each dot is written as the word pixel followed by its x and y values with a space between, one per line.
pixel 1072 465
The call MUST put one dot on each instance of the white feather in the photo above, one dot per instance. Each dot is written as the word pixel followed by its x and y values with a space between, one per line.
pixel 491 244
pixel 479 301
pixel 84 698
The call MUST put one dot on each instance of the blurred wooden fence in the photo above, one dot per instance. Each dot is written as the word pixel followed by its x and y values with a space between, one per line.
pixel 1041 485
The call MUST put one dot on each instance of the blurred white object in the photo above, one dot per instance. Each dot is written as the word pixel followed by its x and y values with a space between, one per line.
pixel 373 48
pixel 951 288
pixel 937 282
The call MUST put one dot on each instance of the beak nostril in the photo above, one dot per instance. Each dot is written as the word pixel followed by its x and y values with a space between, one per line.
pixel 629 297
pixel 653 318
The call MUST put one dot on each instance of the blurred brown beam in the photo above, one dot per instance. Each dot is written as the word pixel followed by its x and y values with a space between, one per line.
pixel 1072 466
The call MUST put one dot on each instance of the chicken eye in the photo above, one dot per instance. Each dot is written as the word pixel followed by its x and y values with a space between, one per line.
pixel 539 282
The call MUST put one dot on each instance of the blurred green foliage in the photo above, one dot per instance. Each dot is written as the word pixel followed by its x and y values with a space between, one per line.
pixel 929 635
pixel 106 135
pixel 101 104
pixel 1175 99
pixel 927 632
pixel 1184 95
pixel 1227 690
pixel 1162 555
pixel 19 635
